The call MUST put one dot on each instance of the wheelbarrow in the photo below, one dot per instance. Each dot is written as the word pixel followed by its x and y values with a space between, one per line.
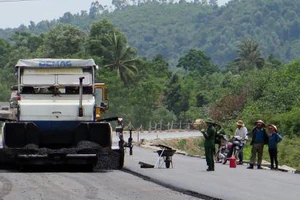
pixel 165 156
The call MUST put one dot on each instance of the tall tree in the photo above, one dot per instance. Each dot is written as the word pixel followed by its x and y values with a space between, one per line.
pixel 97 41
pixel 175 99
pixel 4 52
pixel 196 60
pixel 28 40
pixel 249 55
pixel 67 18
pixel 204 2
pixel 121 57
pixel 95 10
pixel 120 4
pixel 213 2
pixel 63 40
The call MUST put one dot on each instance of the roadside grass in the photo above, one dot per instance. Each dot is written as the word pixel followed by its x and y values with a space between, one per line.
pixel 288 149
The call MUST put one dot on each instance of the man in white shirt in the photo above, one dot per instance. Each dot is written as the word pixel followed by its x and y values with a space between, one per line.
pixel 242 132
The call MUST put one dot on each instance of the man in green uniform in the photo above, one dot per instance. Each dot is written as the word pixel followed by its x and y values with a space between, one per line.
pixel 209 144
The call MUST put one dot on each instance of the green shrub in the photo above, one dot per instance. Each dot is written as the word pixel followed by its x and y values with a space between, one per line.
pixel 288 152
pixel 182 143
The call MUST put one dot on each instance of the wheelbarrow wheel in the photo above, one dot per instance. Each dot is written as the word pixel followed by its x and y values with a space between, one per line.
pixel 168 162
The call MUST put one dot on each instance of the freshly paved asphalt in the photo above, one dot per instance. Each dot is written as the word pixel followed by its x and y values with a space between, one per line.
pixel 189 174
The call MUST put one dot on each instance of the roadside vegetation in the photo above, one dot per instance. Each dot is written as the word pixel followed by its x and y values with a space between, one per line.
pixel 173 27
pixel 287 153
pixel 240 61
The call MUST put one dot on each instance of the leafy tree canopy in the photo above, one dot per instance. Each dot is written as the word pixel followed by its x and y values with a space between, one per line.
pixel 154 27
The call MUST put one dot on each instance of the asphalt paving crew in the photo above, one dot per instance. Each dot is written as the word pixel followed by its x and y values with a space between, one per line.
pixel 274 139
pixel 242 132
pixel 259 139
pixel 209 144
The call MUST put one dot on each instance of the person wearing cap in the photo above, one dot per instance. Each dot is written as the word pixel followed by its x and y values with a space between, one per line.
pixel 209 144
pixel 259 139
pixel 242 132
pixel 274 139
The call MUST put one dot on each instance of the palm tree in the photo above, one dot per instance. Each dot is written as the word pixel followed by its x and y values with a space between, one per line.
pixel 121 57
pixel 249 56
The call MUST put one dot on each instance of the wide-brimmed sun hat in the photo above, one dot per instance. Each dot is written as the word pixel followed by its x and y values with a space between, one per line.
pixel 240 123
pixel 260 122
pixel 273 126
pixel 198 121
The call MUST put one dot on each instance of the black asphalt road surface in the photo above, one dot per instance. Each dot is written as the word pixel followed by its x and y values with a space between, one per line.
pixel 189 174
pixel 106 185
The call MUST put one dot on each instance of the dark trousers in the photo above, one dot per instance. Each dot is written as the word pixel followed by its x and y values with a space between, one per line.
pixel 273 157
pixel 241 154
pixel 209 156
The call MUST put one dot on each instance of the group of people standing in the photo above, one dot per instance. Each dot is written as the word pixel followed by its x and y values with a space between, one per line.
pixel 260 137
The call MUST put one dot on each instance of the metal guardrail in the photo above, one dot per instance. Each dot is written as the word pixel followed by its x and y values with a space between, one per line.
pixel 154 126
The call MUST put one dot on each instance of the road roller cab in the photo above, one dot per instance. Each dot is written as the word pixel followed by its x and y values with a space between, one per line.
pixel 59 115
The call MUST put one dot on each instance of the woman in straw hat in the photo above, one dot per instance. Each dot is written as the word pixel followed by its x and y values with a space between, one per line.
pixel 259 139
pixel 274 139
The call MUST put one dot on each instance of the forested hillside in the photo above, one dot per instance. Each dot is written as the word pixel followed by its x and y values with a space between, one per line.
pixel 254 83
pixel 171 29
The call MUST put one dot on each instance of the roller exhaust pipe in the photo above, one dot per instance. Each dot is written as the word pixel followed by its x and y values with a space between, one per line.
pixel 80 110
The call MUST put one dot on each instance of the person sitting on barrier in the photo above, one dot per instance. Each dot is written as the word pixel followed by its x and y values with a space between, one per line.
pixel 242 132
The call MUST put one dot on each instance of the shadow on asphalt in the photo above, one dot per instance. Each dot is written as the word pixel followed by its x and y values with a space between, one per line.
pixel 59 168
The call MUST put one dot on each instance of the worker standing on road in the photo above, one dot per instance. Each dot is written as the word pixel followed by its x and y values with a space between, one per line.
pixel 209 144
pixel 259 139
pixel 274 139
pixel 242 132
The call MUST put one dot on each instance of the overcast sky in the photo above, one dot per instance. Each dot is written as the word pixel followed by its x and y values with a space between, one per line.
pixel 13 13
